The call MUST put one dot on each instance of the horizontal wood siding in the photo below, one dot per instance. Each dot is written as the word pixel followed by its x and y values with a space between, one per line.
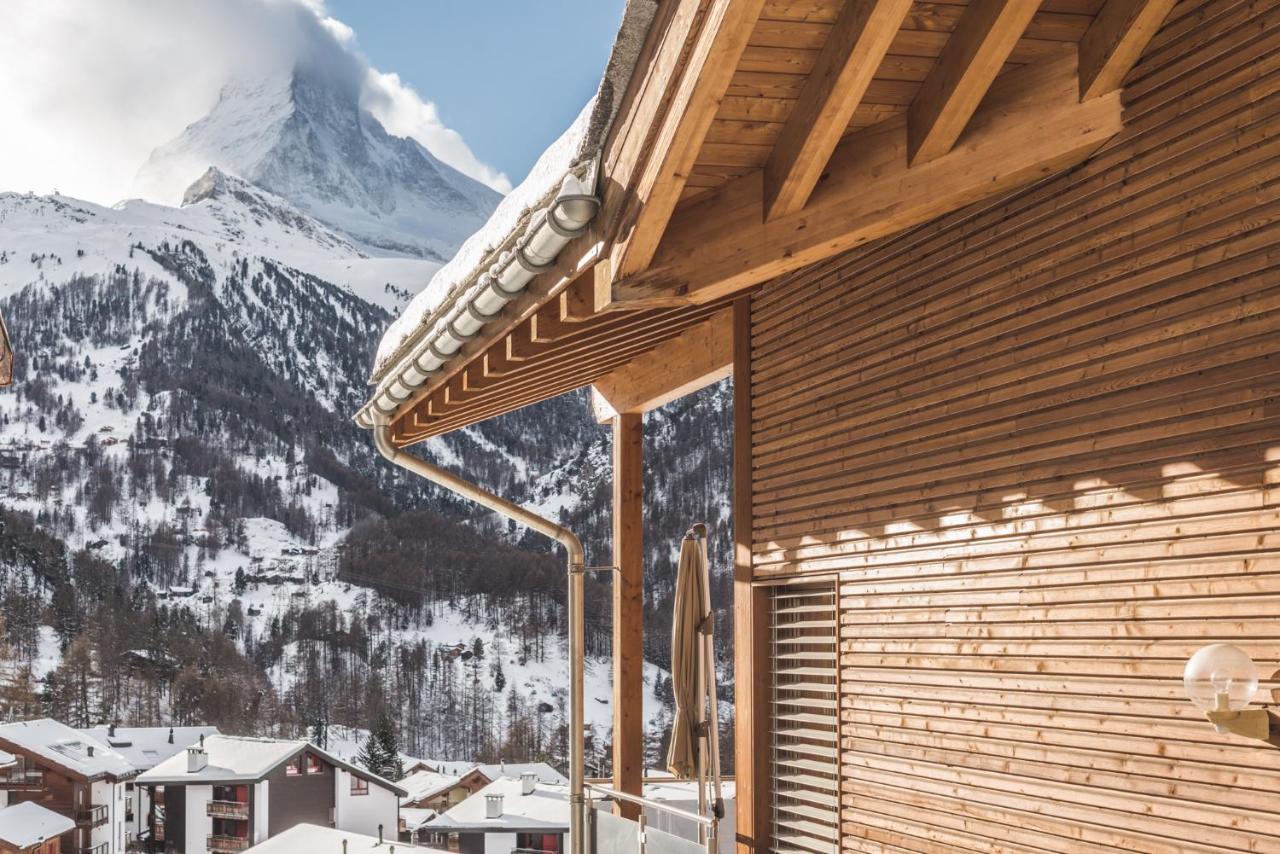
pixel 1038 442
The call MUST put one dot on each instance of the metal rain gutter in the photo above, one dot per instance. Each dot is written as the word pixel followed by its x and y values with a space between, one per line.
pixel 549 230
pixel 575 605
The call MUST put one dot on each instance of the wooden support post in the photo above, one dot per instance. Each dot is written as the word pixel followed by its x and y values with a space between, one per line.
pixel 628 608
pixel 750 617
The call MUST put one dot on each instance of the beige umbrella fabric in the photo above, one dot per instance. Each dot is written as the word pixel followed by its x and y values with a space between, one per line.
pixel 6 355
pixel 686 614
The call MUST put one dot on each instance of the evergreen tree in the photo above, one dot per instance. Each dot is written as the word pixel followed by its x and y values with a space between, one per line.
pixel 389 747
pixel 372 755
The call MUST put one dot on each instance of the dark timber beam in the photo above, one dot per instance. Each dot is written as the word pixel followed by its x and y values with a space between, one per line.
pixel 1115 40
pixel 978 48
pixel 848 62
pixel 709 59
pixel 1032 124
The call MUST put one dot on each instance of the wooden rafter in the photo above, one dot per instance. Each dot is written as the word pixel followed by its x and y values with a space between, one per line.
pixel 493 384
pixel 848 62
pixel 1031 124
pixel 1115 40
pixel 722 29
pixel 974 55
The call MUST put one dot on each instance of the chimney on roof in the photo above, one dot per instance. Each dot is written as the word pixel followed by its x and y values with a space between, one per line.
pixel 111 731
pixel 90 751
pixel 528 782
pixel 493 806
pixel 171 735
pixel 197 759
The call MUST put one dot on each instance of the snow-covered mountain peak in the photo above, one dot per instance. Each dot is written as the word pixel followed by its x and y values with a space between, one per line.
pixel 305 137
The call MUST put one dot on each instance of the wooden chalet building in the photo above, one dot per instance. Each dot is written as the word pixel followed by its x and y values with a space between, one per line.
pixel 72 774
pixel 998 284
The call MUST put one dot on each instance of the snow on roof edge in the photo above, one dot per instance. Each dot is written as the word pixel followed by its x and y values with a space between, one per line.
pixel 574 153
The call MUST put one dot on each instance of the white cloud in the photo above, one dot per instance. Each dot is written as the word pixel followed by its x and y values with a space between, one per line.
pixel 403 112
pixel 87 90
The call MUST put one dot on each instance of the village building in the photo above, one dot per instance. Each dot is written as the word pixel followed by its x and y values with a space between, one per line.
pixel 28 828
pixel 145 748
pixel 509 814
pixel 73 775
pixel 995 285
pixel 227 793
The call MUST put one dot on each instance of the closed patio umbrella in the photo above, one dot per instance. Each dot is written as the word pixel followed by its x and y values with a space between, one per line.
pixel 695 741
pixel 6 355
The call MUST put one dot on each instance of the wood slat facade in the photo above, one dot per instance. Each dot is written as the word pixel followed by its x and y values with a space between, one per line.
pixel 1037 444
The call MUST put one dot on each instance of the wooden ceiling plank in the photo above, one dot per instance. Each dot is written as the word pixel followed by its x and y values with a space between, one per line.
pixel 854 50
pixel 1115 40
pixel 437 416
pixel 726 27
pixel 1032 124
pixel 981 44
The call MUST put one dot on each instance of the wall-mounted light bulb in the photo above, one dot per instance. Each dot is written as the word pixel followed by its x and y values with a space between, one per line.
pixel 1220 678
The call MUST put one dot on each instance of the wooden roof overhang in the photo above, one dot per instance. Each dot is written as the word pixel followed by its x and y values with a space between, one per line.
pixel 758 137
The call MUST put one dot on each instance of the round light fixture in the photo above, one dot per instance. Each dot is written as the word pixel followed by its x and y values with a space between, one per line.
pixel 1220 678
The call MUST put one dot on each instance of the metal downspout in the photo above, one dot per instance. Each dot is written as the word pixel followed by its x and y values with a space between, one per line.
pixel 577 645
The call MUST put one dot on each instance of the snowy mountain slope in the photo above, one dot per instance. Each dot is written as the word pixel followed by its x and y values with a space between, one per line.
pixel 305 137
pixel 52 238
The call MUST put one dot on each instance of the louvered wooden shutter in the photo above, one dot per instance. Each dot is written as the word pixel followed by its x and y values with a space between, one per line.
pixel 805 720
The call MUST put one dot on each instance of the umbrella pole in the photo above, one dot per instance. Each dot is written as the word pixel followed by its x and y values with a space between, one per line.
pixel 712 729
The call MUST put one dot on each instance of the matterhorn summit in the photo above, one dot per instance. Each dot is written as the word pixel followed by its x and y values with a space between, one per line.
pixel 304 136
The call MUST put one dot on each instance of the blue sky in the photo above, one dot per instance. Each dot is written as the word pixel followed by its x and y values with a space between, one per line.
pixel 509 75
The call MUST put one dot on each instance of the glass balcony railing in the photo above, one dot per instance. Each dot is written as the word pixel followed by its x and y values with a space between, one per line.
pixel 611 834
pixel 13 779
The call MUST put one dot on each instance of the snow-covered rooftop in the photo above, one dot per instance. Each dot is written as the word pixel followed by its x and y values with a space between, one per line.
pixel 546 809
pixel 147 747
pixel 574 153
pixel 541 770
pixel 414 819
pixel 242 759
pixel 7 758
pixel 231 759
pixel 28 824
pixel 66 748
pixel 425 784
pixel 321 840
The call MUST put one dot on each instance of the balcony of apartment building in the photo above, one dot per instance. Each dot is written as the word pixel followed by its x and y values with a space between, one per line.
pixel 92 816
pixel 21 778
pixel 218 843
pixel 100 848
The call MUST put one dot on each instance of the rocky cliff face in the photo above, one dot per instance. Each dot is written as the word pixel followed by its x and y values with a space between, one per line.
pixel 305 138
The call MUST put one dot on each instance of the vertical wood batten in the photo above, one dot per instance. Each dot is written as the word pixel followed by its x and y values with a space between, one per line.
pixel 628 608
pixel 1039 441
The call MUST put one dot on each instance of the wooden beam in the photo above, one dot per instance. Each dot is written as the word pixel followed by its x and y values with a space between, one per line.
pixel 722 29
pixel 973 56
pixel 1031 125
pixel 694 359
pixel 848 62
pixel 750 618
pixel 628 608
pixel 1115 40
